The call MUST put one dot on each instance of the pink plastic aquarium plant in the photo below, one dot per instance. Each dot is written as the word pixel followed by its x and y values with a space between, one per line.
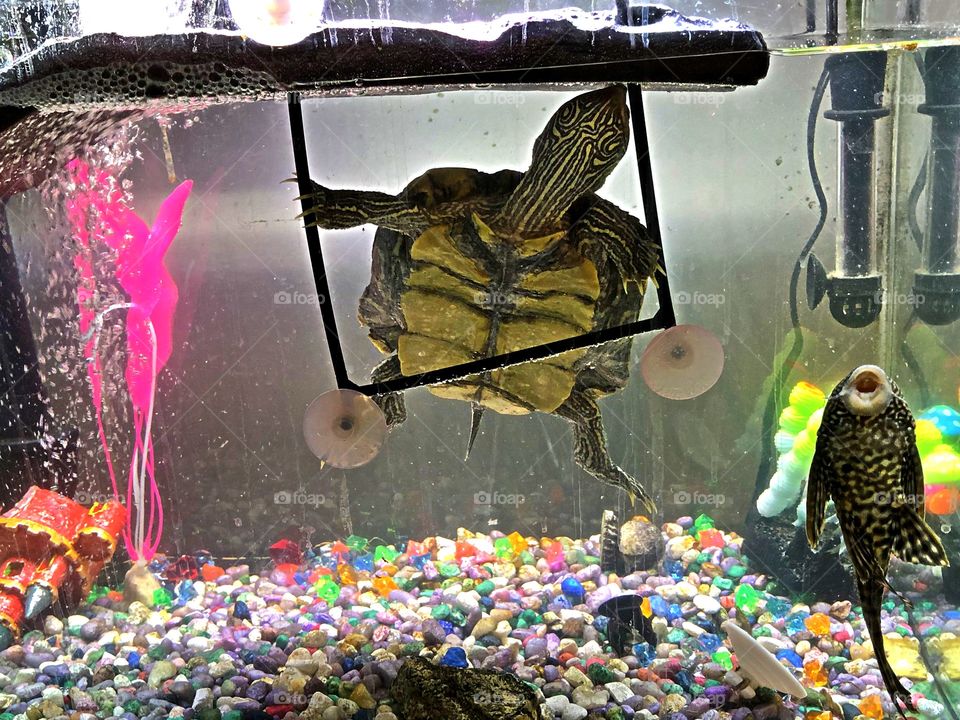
pixel 99 213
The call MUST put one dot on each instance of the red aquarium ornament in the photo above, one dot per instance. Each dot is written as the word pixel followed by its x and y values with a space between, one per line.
pixel 51 548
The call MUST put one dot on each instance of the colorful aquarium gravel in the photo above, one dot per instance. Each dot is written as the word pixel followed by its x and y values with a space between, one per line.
pixel 322 635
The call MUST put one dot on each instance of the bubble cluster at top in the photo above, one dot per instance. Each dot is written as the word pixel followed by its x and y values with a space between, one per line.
pixel 136 83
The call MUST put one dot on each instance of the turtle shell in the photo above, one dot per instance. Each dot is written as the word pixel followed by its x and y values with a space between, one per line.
pixel 459 292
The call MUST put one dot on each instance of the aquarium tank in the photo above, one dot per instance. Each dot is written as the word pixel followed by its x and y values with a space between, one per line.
pixel 479 360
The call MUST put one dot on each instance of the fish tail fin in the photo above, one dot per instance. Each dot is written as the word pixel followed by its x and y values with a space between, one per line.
pixel 871 595
pixel 475 418
pixel 917 542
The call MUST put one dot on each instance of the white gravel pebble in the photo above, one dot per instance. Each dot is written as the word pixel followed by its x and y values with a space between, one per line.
pixel 573 712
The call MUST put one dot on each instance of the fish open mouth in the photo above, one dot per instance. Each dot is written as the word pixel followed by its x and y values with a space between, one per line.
pixel 867 383
pixel 868 391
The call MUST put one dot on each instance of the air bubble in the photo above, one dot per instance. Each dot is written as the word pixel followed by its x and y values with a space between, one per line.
pixel 138 82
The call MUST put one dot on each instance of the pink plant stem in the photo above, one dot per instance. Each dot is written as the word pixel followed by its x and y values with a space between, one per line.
pixel 146 436
pixel 142 545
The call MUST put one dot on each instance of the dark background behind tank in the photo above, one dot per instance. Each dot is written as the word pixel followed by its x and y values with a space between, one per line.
pixel 230 404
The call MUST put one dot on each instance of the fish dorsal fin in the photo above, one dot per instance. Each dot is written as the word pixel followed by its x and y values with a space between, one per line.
pixel 475 418
pixel 917 542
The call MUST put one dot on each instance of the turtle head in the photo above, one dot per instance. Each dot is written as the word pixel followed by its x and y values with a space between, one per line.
pixel 578 149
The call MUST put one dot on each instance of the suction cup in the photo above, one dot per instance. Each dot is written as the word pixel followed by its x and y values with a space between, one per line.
pixel 344 428
pixel 683 362
pixel 816 281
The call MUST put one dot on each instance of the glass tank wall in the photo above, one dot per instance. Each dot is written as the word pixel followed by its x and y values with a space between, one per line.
pixel 166 344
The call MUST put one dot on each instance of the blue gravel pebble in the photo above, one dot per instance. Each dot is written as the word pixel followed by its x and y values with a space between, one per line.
pixel 455 657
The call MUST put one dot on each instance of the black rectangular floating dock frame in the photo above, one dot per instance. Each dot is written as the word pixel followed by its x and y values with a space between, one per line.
pixel 664 318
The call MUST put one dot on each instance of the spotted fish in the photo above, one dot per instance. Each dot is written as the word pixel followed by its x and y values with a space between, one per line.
pixel 867 461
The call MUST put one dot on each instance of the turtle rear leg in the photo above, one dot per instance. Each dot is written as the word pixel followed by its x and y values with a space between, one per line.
pixel 590 447
pixel 392 405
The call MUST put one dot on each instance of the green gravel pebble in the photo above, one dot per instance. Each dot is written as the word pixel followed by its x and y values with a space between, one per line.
pixel 736 572
pixel 600 674
pixel 448 570
pixel 404 583
pixel 485 588
pixel 531 617
pixel 132 706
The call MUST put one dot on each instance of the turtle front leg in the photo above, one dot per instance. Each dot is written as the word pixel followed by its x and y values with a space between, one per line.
pixel 392 405
pixel 605 233
pixel 339 209
pixel 590 447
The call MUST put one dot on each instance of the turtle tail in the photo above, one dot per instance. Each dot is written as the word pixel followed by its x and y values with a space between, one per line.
pixel 475 418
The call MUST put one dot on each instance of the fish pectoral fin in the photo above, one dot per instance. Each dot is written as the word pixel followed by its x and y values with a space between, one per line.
pixel 817 492
pixel 917 542
pixel 911 477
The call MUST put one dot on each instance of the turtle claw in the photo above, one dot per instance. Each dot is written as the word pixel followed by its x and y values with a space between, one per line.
pixel 638 497
pixel 646 503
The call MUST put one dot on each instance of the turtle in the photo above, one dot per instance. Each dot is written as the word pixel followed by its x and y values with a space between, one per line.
pixel 424 691
pixel 469 264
